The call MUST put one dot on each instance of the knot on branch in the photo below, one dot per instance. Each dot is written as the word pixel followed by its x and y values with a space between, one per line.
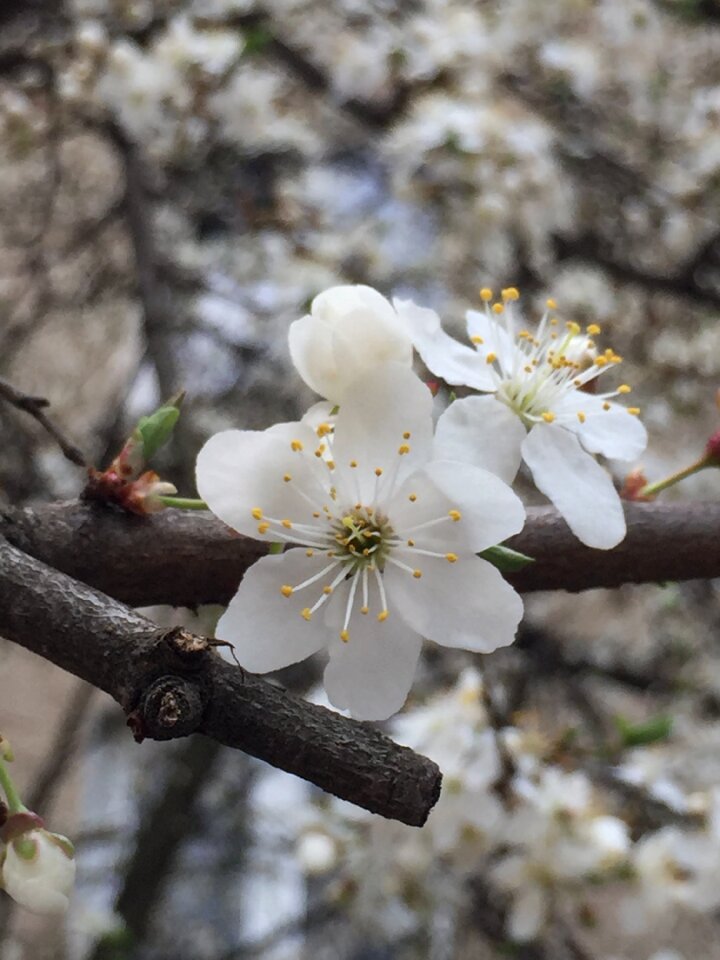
pixel 171 707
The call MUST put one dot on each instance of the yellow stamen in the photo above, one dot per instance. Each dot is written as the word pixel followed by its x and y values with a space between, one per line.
pixel 403 449
pixel 364 609
pixel 451 557
pixel 286 590
pixel 601 362
pixel 263 527
pixel 256 513
pixel 353 463
pixel 320 450
pixel 417 574
pixel 287 478
pixel 327 590
pixel 548 417
pixel 573 327
pixel 406 435
pixel 287 524
pixel 296 445
pixel 635 411
pixel 323 429
pixel 497 308
pixel 455 515
pixel 581 416
pixel 412 497
pixel 383 615
pixel 593 329
pixel 491 358
pixel 378 471
pixel 551 304
pixel 331 464
pixel 486 294
pixel 624 388
pixel 344 636
pixel 606 406
pixel 310 553
pixel 477 340
pixel 511 293
pixel 306 613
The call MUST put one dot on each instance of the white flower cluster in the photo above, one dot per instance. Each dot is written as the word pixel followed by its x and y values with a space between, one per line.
pixel 391 510
pixel 538 835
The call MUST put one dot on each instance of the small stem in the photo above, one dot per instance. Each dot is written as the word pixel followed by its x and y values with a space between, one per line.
pixel 650 489
pixel 15 804
pixel 184 503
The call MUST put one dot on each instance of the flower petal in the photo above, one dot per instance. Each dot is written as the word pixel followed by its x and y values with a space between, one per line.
pixel 482 431
pixel 349 330
pixel 527 913
pixel 490 336
pixel 372 673
pixel 240 470
pixel 465 604
pixel 613 432
pixel 387 410
pixel 579 487
pixel 441 353
pixel 266 628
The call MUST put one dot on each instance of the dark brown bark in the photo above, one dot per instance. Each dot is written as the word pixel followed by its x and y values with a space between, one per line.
pixel 186 559
pixel 170 684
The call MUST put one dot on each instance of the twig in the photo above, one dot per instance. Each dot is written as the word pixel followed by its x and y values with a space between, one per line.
pixel 171 684
pixel 35 406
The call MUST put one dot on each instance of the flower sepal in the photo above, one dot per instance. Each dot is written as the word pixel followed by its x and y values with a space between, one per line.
pixel 20 823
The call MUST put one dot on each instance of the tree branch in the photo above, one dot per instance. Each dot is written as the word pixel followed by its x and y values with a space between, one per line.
pixel 186 559
pixel 35 406
pixel 170 684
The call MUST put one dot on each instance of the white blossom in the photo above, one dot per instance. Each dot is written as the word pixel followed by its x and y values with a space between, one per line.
pixel 38 871
pixel 349 331
pixel 390 533
pixel 538 411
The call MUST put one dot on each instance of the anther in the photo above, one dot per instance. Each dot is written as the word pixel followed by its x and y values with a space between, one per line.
pixel 263 527
pixel 378 471
pixel 406 435
pixel 287 478
pixel 551 304
pixel 624 388
pixel 606 406
pixel 383 615
pixel 486 294
pixel 331 464
pixel 635 411
pixel 306 613
pixel 256 513
pixel 287 524
pixel 548 417
pixel 573 327
pixel 323 429
pixel 309 552
pixel 593 329
pixel 417 574
pixel 296 445
pixel 344 635
pixel 411 543
pixel 455 515
pixel 364 609
pixel 497 308
pixel 412 497
pixel 451 557
pixel 286 590
pixel 403 449
pixel 491 358
pixel 476 339
pixel 327 590
pixel 581 416
pixel 511 293
pixel 353 463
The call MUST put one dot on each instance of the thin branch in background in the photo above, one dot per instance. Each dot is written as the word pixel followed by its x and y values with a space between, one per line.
pixel 55 765
pixel 36 406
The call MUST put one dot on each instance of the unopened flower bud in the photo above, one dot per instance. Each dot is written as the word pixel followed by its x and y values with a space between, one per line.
pixel 634 482
pixel 712 449
pixel 317 852
pixel 38 871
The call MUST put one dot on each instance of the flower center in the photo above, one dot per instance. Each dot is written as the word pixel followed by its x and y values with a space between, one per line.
pixel 362 539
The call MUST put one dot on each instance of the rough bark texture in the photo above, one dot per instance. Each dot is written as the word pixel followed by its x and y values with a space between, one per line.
pixel 187 559
pixel 170 684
